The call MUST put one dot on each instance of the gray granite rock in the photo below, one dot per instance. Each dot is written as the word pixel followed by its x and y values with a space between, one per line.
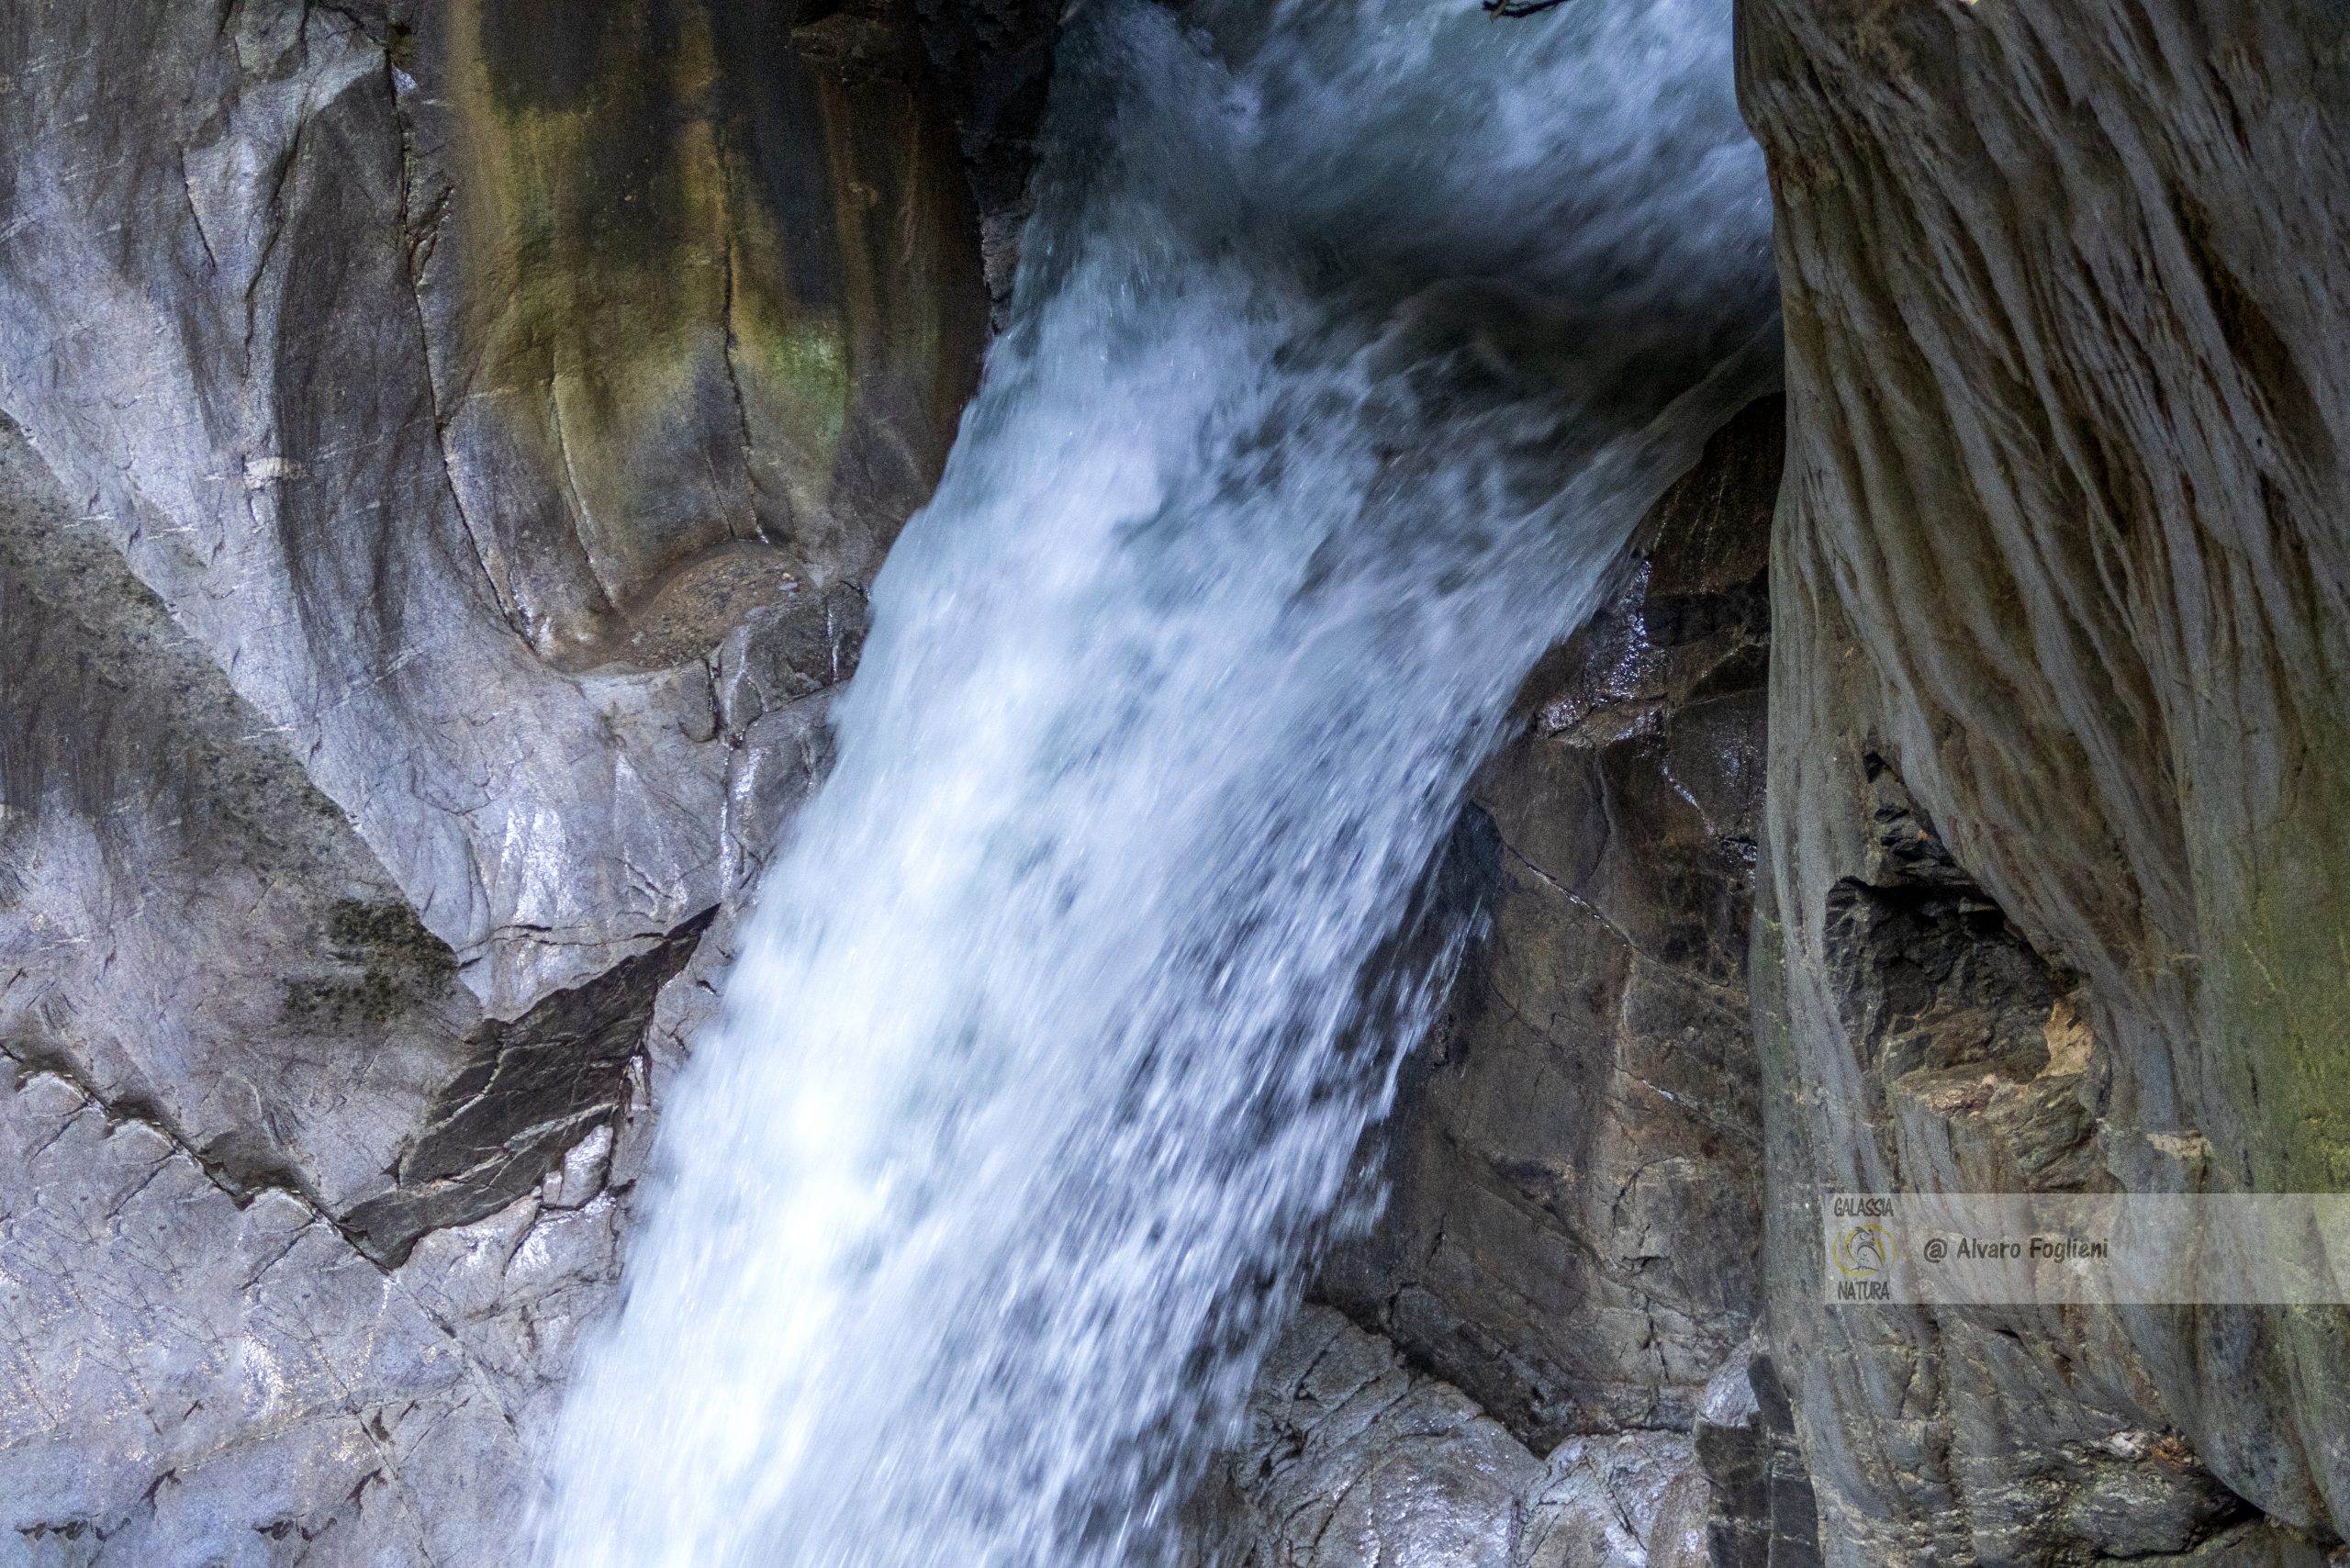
pixel 458 396
pixel 1625 1500
pixel 188 929
pixel 195 1376
pixel 436 495
pixel 1353 1460
pixel 2059 588
pixel 230 1045
pixel 1761 1512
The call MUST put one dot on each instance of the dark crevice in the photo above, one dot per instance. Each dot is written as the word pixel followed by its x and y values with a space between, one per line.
pixel 532 1087
pixel 1955 1014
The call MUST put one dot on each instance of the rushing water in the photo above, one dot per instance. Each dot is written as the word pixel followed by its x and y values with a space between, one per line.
pixel 1351 339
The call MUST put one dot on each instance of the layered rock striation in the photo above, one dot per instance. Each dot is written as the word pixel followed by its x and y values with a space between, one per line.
pixel 2055 862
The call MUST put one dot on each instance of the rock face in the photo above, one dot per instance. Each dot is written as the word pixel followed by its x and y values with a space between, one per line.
pixel 1577 1158
pixel 2058 775
pixel 2050 867
pixel 228 1031
pixel 458 384
pixel 441 464
pixel 1572 1244
pixel 994 59
pixel 1353 1458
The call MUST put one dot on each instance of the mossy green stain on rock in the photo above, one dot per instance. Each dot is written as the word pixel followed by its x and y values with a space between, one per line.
pixel 681 262
pixel 2276 989
pixel 774 110
pixel 594 286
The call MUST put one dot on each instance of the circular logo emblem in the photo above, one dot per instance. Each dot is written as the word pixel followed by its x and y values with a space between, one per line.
pixel 1864 1252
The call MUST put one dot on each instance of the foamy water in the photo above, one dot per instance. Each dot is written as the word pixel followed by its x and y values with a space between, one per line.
pixel 1349 341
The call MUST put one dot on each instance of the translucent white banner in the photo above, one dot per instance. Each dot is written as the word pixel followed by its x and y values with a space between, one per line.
pixel 2136 1249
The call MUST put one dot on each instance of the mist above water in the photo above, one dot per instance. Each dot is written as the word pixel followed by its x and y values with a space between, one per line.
pixel 1351 339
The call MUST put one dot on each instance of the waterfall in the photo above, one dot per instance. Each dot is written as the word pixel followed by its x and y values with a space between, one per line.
pixel 1350 340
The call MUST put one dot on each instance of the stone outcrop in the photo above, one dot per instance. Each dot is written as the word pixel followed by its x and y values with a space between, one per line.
pixel 459 383
pixel 1576 1157
pixel 1354 1458
pixel 1547 1355
pixel 2050 870
pixel 994 60
pixel 226 1033
pixel 2056 865
pixel 443 456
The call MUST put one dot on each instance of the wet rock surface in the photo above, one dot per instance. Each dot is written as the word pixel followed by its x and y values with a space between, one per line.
pixel 1354 1459
pixel 226 1031
pixel 192 932
pixel 1575 1158
pixel 994 59
pixel 531 1094
pixel 1568 1263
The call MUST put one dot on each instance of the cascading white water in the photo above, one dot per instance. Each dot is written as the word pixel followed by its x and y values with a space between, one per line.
pixel 1350 338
